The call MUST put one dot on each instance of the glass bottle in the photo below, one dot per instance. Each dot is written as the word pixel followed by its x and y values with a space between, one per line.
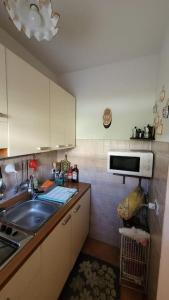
pixel 75 174
pixel 70 174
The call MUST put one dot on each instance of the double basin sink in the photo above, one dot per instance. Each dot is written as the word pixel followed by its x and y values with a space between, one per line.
pixel 29 215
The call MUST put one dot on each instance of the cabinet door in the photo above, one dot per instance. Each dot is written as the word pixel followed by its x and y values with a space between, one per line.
pixel 28 107
pixel 56 259
pixel 3 101
pixel 26 282
pixel 57 111
pixel 70 120
pixel 62 117
pixel 80 224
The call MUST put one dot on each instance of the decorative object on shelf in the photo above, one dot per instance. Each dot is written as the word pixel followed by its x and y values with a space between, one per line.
pixel 107 118
pixel 148 133
pixel 162 94
pixel 165 111
pixel 35 17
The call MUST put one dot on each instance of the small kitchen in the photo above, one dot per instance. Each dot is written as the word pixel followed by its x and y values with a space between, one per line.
pixel 84 154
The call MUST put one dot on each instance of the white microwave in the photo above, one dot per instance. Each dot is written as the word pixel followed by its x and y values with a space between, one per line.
pixel 131 163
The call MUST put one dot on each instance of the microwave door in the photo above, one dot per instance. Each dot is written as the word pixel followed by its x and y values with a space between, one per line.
pixel 125 164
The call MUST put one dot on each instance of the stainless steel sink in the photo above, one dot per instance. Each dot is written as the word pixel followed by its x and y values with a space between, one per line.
pixel 30 215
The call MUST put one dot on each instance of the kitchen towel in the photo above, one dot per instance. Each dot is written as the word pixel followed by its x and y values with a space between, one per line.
pixel 58 194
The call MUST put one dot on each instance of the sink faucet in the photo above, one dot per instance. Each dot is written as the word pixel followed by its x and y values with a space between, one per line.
pixel 30 185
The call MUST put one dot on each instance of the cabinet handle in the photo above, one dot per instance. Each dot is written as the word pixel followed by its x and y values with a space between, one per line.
pixel 64 146
pixel 60 146
pixel 77 209
pixel 66 220
pixel 3 115
pixel 43 148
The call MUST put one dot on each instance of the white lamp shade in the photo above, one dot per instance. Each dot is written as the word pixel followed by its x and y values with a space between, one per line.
pixel 34 17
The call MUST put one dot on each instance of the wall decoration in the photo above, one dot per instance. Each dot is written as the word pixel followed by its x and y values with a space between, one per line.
pixel 165 111
pixel 156 121
pixel 160 111
pixel 162 94
pixel 107 118
pixel 159 128
pixel 155 108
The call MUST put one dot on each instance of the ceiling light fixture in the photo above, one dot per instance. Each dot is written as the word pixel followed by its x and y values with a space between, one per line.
pixel 35 17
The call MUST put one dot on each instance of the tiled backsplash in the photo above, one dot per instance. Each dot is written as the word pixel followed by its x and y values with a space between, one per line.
pixel 44 169
pixel 157 191
pixel 107 189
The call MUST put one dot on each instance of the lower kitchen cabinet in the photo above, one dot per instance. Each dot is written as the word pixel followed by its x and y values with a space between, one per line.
pixel 56 259
pixel 25 284
pixel 44 274
pixel 61 248
pixel 80 224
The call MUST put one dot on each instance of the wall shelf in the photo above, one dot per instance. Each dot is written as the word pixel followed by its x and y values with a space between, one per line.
pixel 142 139
pixel 132 176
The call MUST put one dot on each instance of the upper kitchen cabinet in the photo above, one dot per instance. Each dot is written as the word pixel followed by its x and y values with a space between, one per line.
pixel 28 107
pixel 62 117
pixel 3 101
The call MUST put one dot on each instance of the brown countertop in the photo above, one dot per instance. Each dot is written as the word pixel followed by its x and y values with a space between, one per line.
pixel 11 268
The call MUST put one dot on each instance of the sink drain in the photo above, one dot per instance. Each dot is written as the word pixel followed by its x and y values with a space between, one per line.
pixel 38 220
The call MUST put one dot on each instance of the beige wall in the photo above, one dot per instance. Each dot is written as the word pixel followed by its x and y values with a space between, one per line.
pixel 128 88
pixel 18 49
pixel 163 80
pixel 163 283
pixel 157 191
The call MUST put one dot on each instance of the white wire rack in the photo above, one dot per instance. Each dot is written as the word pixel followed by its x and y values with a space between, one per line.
pixel 134 260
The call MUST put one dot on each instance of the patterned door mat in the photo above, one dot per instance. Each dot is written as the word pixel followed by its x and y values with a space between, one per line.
pixel 91 279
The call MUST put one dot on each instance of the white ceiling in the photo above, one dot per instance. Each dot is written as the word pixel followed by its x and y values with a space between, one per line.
pixel 97 32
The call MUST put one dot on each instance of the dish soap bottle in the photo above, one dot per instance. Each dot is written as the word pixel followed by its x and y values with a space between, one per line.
pixel 75 174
